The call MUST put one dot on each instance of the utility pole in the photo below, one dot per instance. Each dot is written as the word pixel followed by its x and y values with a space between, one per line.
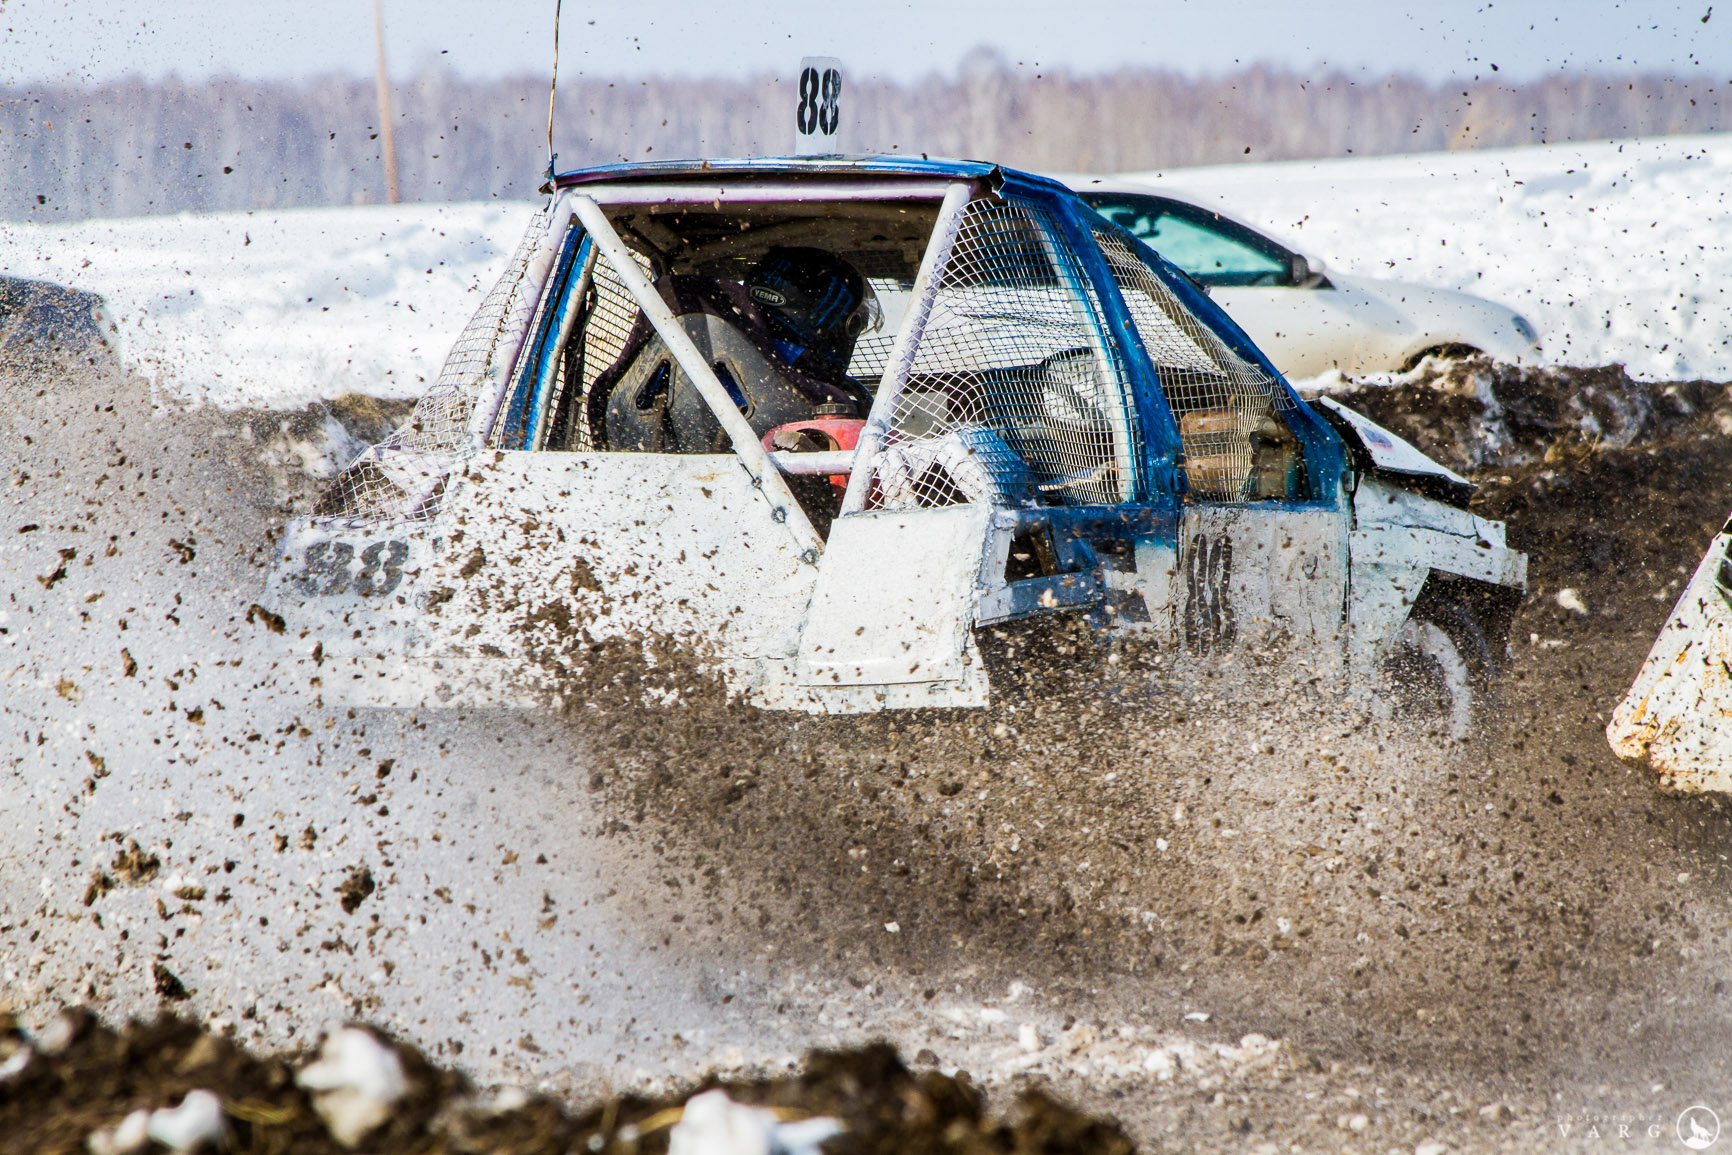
pixel 387 134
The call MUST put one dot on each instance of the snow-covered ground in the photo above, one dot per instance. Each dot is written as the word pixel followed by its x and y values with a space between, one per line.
pixel 282 307
pixel 1618 251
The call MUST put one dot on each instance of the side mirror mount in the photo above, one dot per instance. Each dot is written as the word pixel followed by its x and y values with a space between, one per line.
pixel 1303 273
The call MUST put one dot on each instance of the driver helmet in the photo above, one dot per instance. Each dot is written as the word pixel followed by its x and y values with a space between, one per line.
pixel 817 305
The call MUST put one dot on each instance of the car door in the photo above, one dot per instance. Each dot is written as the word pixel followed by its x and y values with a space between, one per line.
pixel 1261 553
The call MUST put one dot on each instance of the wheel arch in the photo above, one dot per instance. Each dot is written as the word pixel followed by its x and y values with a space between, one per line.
pixel 1477 615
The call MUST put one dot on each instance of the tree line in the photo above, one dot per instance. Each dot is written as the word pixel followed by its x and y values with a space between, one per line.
pixel 135 147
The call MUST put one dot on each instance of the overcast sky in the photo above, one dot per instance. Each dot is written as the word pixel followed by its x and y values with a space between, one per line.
pixel 90 41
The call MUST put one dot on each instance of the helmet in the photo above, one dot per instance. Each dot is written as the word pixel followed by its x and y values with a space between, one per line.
pixel 817 305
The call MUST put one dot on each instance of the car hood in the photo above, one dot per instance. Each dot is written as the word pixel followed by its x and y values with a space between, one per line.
pixel 1392 455
pixel 1447 313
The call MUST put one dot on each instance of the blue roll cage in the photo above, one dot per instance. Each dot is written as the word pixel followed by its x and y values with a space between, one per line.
pixel 1160 483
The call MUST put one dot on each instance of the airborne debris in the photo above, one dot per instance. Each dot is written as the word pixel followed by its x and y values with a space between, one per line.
pixel 272 622
pixel 167 983
pixel 355 889
pixel 133 865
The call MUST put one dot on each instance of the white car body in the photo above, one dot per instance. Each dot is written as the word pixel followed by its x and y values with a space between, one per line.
pixel 1677 717
pixel 1315 320
pixel 1059 424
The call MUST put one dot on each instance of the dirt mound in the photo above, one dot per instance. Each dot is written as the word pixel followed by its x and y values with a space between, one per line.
pixel 80 1077
pixel 1477 415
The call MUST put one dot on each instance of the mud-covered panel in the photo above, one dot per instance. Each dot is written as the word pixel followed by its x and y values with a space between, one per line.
pixel 895 599
pixel 1259 577
pixel 537 557
pixel 548 549
pixel 1677 716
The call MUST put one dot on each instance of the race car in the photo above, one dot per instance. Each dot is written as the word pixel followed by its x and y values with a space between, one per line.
pixel 1309 319
pixel 816 425
pixel 1676 719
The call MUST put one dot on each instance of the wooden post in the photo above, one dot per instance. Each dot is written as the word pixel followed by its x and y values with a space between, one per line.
pixel 387 135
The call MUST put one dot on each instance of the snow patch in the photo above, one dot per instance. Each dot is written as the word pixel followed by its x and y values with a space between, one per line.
pixel 281 308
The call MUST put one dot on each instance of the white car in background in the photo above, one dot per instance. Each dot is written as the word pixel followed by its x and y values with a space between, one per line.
pixel 1308 320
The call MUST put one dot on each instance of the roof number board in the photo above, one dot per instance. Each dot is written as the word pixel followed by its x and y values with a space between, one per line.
pixel 819 112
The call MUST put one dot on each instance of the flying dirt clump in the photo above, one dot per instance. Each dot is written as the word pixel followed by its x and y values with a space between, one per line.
pixel 355 889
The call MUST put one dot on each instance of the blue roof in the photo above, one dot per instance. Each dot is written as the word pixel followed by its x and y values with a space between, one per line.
pixel 796 166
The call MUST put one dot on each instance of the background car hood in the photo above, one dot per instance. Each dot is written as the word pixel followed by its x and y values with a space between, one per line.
pixel 1437 316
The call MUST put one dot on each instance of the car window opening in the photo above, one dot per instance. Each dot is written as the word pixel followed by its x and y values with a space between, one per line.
pixel 1236 441
pixel 1216 252
pixel 795 304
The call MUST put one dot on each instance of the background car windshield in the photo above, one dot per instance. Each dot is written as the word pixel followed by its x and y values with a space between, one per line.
pixel 1213 251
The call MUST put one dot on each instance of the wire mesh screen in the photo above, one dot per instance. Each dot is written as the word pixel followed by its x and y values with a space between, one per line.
pixel 403 475
pixel 608 316
pixel 1222 402
pixel 872 351
pixel 871 356
pixel 1012 396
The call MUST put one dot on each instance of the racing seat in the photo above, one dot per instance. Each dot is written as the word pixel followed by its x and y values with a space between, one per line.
pixel 645 403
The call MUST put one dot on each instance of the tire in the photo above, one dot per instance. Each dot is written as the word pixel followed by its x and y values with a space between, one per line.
pixel 1429 680
pixel 1440 670
pixel 1452 352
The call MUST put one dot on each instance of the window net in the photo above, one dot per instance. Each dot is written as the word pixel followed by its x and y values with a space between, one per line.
pixel 403 475
pixel 1222 402
pixel 1011 396
pixel 606 314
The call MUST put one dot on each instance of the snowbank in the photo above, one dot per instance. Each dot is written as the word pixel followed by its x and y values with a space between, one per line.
pixel 281 307
pixel 1618 251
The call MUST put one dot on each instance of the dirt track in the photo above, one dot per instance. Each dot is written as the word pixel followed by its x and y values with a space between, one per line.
pixel 1423 930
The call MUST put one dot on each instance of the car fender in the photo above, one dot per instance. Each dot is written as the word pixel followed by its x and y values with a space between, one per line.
pixel 1412 319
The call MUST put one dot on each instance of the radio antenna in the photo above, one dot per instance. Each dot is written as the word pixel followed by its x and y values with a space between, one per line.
pixel 552 91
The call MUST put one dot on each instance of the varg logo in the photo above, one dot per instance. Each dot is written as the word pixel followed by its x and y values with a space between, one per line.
pixel 1697 1128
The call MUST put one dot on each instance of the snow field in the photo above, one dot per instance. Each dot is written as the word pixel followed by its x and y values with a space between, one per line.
pixel 281 308
pixel 1617 251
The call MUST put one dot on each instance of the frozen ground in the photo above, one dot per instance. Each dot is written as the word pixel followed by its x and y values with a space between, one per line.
pixel 1619 252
